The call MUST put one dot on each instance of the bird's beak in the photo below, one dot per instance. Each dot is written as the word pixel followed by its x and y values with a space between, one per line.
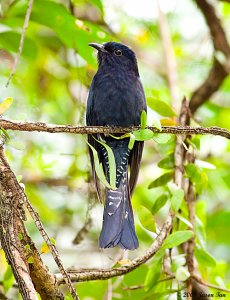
pixel 99 47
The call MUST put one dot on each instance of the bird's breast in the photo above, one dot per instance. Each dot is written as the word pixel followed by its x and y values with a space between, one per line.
pixel 117 99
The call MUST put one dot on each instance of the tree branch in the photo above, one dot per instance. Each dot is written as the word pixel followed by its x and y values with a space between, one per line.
pixel 49 243
pixel 212 83
pixel 212 286
pixel 218 71
pixel 51 128
pixel 218 35
pixel 44 282
pixel 102 274
pixel 12 195
pixel 9 218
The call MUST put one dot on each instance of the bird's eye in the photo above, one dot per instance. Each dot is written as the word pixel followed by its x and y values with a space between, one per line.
pixel 118 52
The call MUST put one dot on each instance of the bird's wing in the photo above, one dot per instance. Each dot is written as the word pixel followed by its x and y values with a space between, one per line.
pixel 93 143
pixel 90 121
pixel 135 160
pixel 136 153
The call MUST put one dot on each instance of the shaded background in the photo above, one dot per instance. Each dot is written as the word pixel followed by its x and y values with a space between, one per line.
pixel 51 85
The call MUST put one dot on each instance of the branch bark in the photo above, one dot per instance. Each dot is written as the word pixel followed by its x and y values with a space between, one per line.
pixel 52 128
pixel 31 277
pixel 9 218
pixel 78 275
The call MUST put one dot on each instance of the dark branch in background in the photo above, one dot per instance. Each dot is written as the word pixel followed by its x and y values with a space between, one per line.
pixel 215 78
pixel 51 128
pixel 219 39
pixel 26 22
pixel 218 71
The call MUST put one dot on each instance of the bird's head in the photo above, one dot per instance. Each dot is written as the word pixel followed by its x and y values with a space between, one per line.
pixel 116 54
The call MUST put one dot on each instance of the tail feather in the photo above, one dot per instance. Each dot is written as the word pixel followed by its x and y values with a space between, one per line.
pixel 118 223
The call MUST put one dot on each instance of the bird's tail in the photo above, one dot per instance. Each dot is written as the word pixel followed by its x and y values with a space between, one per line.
pixel 118 223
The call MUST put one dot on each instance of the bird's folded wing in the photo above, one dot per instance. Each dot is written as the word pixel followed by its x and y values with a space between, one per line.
pixel 135 160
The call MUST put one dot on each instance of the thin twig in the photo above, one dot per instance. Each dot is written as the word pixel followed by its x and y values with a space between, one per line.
pixel 26 22
pixel 52 128
pixel 212 286
pixel 190 198
pixel 52 247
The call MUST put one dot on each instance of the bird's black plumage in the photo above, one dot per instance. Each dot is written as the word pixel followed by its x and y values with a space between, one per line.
pixel 116 98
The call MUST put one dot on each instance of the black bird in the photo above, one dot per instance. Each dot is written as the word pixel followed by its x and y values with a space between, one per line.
pixel 116 98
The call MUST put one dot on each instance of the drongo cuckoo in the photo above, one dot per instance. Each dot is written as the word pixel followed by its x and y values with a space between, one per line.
pixel 116 98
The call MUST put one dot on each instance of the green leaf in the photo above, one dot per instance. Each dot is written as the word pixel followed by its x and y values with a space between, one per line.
pixel 8 279
pixel 27 247
pixel 112 164
pixel 18 145
pixel 205 164
pixel 161 107
pixel 177 238
pixel 5 104
pixel 10 40
pixel 131 141
pixel 20 236
pixel 5 133
pixel 153 276
pixel 146 218
pixel 45 248
pixel 157 123
pixel 99 169
pixel 167 163
pixel 143 119
pixel 30 260
pixel 197 177
pixel 182 273
pixel 204 258
pixel 162 138
pixel 176 199
pixel 195 142
pixel 72 32
pixel 143 134
pixel 184 220
pixel 159 203
pixel 162 180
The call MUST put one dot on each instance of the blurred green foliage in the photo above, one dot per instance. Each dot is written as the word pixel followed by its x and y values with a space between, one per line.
pixel 51 85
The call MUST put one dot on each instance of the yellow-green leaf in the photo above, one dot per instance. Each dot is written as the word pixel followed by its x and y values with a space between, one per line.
pixel 177 238
pixel 45 249
pixel 143 119
pixel 131 141
pixel 143 134
pixel 99 169
pixel 5 104
pixel 146 218
pixel 112 164
pixel 30 260
pixel 161 107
